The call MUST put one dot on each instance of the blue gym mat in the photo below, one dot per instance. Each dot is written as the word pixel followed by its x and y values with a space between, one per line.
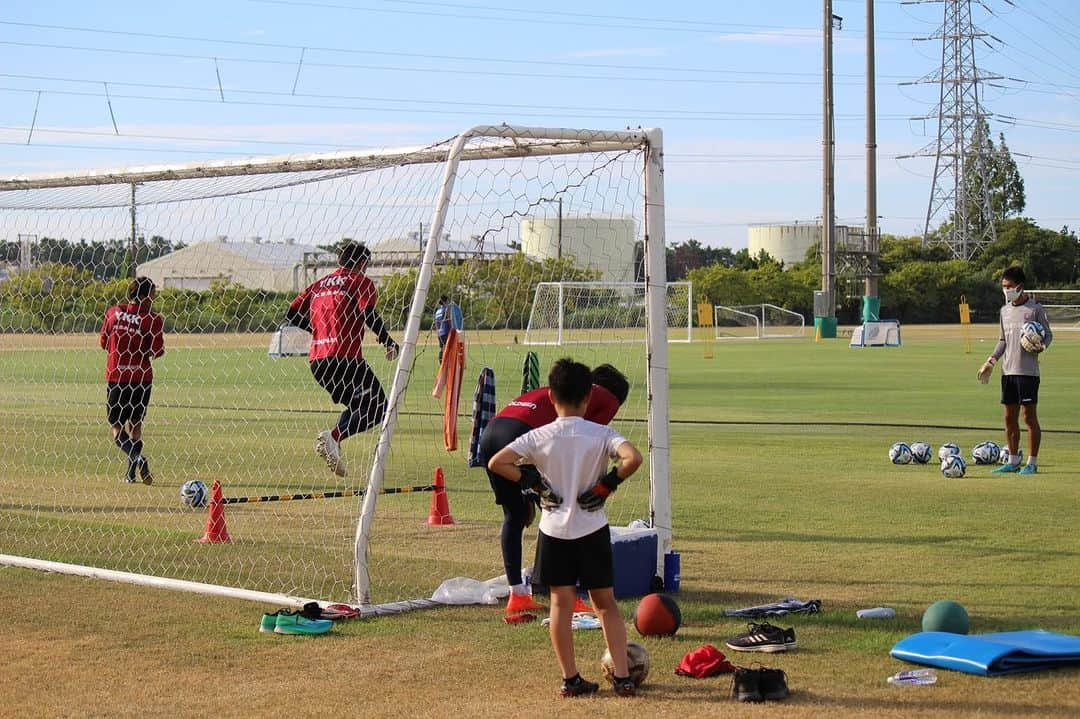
pixel 990 654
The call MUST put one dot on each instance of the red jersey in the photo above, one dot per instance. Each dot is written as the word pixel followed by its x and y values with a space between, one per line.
pixel 535 408
pixel 132 336
pixel 335 307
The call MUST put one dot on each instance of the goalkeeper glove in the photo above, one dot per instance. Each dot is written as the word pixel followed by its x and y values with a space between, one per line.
pixel 1032 343
pixel 533 480
pixel 391 350
pixel 593 499
pixel 985 371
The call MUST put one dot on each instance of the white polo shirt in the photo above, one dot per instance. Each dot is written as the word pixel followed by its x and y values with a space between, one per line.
pixel 572 454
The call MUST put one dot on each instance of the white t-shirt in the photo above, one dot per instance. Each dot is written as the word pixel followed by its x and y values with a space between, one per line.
pixel 571 453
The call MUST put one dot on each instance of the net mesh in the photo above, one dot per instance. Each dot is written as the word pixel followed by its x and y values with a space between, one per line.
pixel 228 254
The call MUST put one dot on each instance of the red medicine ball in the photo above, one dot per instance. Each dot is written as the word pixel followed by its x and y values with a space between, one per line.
pixel 657 615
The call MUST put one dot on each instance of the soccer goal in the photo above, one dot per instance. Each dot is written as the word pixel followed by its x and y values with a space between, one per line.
pixel 604 312
pixel 229 244
pixel 289 341
pixel 758 321
pixel 882 333
pixel 1062 308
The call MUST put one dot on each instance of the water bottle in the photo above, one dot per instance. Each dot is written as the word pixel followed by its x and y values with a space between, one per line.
pixel 876 613
pixel 914 677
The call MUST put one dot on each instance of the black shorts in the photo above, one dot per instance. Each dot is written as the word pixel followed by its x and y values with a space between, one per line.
pixel 587 560
pixel 500 432
pixel 127 402
pixel 1019 389
pixel 341 377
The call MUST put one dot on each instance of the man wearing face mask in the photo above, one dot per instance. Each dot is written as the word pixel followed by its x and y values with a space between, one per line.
pixel 1019 369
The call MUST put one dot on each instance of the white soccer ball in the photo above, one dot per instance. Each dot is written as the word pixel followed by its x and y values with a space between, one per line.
pixel 953 466
pixel 921 452
pixel 194 494
pixel 946 449
pixel 900 453
pixel 986 453
pixel 1005 455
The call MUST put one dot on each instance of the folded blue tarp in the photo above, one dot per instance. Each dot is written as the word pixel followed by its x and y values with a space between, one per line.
pixel 990 654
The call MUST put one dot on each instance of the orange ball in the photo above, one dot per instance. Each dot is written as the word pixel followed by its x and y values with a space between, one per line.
pixel 657 615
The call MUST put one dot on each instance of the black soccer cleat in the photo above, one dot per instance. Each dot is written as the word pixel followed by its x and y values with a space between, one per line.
pixel 746 685
pixel 624 686
pixel 575 686
pixel 772 683
pixel 143 466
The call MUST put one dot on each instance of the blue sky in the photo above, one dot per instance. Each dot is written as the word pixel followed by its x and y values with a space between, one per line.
pixel 735 86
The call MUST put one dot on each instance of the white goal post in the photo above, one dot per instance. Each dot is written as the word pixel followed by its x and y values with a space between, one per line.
pixel 757 321
pixel 446 218
pixel 604 312
pixel 1062 308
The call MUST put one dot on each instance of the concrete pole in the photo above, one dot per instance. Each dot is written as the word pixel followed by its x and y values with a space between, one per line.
pixel 828 223
pixel 871 289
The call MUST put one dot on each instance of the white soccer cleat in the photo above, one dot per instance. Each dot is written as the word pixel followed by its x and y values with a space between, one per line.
pixel 330 450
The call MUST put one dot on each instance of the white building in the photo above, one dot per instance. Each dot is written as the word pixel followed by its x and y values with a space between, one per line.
pixel 277 266
pixel 598 243
pixel 788 243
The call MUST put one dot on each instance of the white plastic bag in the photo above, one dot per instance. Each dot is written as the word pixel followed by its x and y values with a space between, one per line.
pixel 463 590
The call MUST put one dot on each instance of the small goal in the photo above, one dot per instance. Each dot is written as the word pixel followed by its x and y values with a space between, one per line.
pixel 757 321
pixel 1062 308
pixel 603 312
pixel 289 341
pixel 883 333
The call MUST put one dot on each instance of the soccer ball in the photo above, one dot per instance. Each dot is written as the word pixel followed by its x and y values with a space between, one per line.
pixel 946 449
pixel 920 452
pixel 953 466
pixel 1032 336
pixel 986 453
pixel 900 453
pixel 1005 455
pixel 193 494
pixel 637 661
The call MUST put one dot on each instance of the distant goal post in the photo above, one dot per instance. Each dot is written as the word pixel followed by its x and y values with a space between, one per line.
pixel 604 312
pixel 1062 307
pixel 757 321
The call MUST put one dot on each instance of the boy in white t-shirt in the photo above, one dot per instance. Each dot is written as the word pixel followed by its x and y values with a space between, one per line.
pixel 575 541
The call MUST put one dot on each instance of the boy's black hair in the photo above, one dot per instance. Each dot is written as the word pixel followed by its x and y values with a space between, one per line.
pixel 443 299
pixel 141 288
pixel 352 254
pixel 569 381
pixel 1014 274
pixel 612 380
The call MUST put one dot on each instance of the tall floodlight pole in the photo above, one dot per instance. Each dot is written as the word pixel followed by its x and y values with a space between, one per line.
pixel 871 283
pixel 960 194
pixel 825 306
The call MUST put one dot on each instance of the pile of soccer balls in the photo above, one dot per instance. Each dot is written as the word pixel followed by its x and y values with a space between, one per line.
pixel 953 465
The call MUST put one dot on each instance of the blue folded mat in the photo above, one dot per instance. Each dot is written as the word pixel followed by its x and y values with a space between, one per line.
pixel 990 654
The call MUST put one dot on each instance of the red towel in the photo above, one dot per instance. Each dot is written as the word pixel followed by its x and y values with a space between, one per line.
pixel 449 379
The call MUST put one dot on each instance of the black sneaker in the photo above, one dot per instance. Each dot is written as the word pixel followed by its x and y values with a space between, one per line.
pixel 763 637
pixel 624 686
pixel 144 470
pixel 746 685
pixel 772 683
pixel 575 686
pixel 130 477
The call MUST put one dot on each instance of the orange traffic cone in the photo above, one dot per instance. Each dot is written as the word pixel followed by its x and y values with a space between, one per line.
pixel 440 506
pixel 216 531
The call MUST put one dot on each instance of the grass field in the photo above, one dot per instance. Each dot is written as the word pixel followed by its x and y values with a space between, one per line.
pixel 781 487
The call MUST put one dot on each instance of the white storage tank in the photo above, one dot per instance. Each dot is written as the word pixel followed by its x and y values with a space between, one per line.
pixel 605 244
pixel 788 243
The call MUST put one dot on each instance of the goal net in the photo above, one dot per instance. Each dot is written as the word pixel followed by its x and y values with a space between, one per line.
pixel 1062 308
pixel 604 312
pixel 758 321
pixel 882 333
pixel 228 246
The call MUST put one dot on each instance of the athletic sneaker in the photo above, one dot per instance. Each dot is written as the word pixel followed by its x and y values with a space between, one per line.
pixel 143 465
pixel 624 686
pixel 1029 469
pixel 269 621
pixel 296 623
pixel 763 637
pixel 131 476
pixel 577 687
pixel 518 603
pixel 746 685
pixel 1006 469
pixel 582 607
pixel 330 450
pixel 773 684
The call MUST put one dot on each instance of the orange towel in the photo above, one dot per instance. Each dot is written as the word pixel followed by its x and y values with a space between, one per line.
pixel 449 380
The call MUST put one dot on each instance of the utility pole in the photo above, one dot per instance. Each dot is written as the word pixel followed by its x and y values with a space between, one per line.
pixel 825 301
pixel 871 284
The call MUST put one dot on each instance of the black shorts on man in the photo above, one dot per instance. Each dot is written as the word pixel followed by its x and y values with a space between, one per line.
pixel 1019 389
pixel 587 561
pixel 127 401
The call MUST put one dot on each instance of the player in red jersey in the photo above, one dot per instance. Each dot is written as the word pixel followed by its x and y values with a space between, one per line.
pixel 336 309
pixel 133 335
pixel 527 412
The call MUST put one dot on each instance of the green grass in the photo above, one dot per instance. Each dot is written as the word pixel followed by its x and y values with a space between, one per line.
pixel 781 486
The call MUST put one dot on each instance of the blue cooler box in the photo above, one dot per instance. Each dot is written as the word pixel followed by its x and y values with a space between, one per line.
pixel 634 553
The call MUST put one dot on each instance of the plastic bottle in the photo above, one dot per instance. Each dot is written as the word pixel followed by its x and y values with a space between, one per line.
pixel 876 613
pixel 914 677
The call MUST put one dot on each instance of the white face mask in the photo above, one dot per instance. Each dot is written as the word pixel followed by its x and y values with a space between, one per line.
pixel 1011 293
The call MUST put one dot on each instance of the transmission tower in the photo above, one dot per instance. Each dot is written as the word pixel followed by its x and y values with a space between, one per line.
pixel 960 193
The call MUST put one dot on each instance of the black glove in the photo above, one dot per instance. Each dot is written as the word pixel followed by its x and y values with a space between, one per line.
pixel 532 479
pixel 593 499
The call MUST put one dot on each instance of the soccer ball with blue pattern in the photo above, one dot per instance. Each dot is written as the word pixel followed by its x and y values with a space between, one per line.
pixel 953 466
pixel 946 449
pixel 986 453
pixel 900 453
pixel 920 452
pixel 193 494
pixel 1005 455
